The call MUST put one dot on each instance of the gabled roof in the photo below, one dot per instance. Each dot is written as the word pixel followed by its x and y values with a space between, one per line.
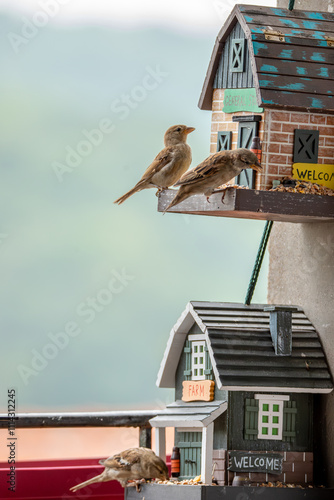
pixel 242 353
pixel 297 73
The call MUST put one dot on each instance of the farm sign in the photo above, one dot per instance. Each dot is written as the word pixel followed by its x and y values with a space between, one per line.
pixel 198 390
pixel 242 461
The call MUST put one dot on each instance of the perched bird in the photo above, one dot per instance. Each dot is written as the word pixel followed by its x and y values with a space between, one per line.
pixel 214 171
pixel 168 166
pixel 134 463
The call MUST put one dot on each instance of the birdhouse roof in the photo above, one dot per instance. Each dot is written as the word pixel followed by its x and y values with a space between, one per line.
pixel 180 414
pixel 242 352
pixel 291 55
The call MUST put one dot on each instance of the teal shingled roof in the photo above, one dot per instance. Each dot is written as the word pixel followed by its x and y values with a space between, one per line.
pixel 296 73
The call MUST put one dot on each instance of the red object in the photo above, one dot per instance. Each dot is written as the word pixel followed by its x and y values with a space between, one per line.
pixel 256 147
pixel 52 479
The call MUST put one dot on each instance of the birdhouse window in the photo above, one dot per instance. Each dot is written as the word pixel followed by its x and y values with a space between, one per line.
pixel 306 145
pixel 270 417
pixel 237 56
pixel 197 360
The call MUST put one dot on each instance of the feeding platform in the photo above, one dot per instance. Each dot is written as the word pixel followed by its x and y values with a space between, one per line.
pixel 254 204
pixel 206 492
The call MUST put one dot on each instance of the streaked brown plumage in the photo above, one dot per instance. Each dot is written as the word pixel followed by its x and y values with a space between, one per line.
pixel 134 463
pixel 214 171
pixel 168 166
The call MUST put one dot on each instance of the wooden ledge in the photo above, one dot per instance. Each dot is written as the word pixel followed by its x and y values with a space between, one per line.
pixel 253 204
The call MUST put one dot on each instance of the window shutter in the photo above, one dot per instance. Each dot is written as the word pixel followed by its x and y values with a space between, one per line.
pixel 305 146
pixel 237 55
pixel 246 133
pixel 289 420
pixel 187 351
pixel 251 418
pixel 208 372
pixel 224 141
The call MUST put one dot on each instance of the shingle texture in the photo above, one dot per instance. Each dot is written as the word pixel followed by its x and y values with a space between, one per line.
pixel 296 72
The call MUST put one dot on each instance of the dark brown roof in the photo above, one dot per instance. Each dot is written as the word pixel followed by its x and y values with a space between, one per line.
pixel 297 73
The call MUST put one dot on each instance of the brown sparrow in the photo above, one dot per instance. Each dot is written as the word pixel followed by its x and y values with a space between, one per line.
pixel 168 166
pixel 132 464
pixel 214 171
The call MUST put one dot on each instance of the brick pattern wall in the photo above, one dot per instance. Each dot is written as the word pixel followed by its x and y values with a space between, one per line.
pixel 277 146
pixel 277 135
pixel 297 468
pixel 223 122
pixel 219 463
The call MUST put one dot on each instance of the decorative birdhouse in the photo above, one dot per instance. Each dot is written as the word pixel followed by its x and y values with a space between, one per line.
pixel 271 78
pixel 244 378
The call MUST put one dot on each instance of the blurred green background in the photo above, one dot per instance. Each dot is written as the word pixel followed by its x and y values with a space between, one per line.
pixel 61 241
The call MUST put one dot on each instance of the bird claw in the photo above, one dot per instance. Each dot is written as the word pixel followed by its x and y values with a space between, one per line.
pixel 136 483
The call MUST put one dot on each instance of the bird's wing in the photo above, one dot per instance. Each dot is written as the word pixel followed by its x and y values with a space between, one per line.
pixel 123 460
pixel 165 156
pixel 212 165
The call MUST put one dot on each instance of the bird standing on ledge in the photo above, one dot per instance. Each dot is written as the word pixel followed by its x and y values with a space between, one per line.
pixel 168 166
pixel 134 463
pixel 214 171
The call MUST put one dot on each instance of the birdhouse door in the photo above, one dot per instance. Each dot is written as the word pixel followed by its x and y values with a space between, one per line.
pixel 246 133
pixel 190 444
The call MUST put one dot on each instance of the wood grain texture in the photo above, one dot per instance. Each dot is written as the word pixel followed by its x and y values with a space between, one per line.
pixel 254 204
pixel 301 67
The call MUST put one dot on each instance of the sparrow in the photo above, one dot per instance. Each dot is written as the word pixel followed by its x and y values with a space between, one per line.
pixel 132 464
pixel 168 166
pixel 214 171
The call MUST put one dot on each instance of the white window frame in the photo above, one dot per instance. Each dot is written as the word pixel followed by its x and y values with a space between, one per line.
pixel 196 364
pixel 271 400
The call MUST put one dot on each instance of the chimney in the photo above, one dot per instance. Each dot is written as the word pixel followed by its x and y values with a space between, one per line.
pixel 281 328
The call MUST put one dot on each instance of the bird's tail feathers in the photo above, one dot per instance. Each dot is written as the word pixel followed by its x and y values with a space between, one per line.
pixel 138 187
pixel 96 479
pixel 180 196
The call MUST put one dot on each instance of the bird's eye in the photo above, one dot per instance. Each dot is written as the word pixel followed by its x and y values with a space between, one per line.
pixel 178 129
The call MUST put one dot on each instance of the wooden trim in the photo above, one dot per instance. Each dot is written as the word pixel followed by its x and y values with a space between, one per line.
pixel 254 204
pixel 207 447
pixel 160 442
pixel 272 397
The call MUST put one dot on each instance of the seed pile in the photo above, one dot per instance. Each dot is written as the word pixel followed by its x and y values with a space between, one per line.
pixel 289 185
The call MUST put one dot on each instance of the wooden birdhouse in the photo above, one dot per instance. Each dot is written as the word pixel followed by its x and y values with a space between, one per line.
pixel 271 79
pixel 245 379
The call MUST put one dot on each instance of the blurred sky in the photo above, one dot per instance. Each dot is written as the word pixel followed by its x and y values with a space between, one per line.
pixel 68 343
pixel 198 16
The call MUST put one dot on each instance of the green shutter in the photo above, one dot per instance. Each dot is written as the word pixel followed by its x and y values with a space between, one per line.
pixel 187 351
pixel 237 55
pixel 208 372
pixel 224 141
pixel 251 418
pixel 289 420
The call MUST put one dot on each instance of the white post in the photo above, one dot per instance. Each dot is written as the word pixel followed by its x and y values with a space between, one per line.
pixel 160 442
pixel 207 446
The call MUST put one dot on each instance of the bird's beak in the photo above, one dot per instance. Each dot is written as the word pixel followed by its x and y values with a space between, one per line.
pixel 257 166
pixel 188 130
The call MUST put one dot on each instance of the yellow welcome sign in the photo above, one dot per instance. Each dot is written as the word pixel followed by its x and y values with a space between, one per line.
pixel 314 172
